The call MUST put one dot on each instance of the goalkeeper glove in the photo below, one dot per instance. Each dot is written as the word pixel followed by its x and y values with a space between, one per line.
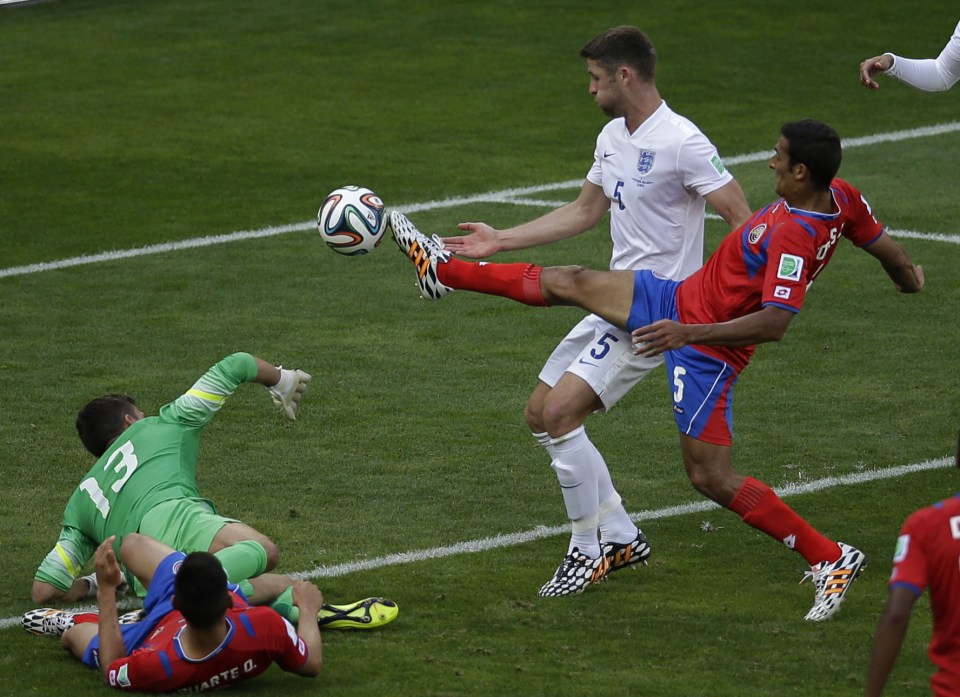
pixel 288 391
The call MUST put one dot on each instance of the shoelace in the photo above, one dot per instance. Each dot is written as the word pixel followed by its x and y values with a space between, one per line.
pixel 816 575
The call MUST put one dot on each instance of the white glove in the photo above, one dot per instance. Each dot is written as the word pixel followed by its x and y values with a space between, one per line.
pixel 289 390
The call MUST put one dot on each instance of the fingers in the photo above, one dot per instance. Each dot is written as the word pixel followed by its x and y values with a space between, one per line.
pixel 872 66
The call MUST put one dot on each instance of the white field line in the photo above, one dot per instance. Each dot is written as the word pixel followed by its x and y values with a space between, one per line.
pixel 516 196
pixel 542 531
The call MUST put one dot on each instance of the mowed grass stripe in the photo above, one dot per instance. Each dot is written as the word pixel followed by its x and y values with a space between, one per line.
pixel 512 196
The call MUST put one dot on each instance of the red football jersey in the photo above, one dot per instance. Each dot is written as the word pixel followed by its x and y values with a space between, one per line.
pixel 257 637
pixel 771 260
pixel 928 556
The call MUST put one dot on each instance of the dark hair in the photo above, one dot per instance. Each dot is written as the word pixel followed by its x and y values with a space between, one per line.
pixel 816 145
pixel 200 590
pixel 623 46
pixel 101 421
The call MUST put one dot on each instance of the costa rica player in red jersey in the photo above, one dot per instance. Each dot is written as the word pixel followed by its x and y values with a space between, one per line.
pixel 199 632
pixel 708 325
pixel 927 554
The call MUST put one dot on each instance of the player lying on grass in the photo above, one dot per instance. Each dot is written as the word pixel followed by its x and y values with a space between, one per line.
pixel 198 631
pixel 708 325
pixel 145 480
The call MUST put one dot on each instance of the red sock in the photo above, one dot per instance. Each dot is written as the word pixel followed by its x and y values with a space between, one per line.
pixel 82 617
pixel 520 282
pixel 760 507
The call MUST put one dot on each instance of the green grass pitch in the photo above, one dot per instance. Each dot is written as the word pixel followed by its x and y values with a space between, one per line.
pixel 126 125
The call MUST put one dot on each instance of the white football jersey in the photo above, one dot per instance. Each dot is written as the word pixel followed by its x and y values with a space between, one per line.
pixel 656 179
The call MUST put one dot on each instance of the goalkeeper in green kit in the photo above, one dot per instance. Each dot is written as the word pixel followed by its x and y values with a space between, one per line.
pixel 145 480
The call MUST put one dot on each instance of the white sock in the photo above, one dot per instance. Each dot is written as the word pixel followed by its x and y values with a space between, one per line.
pixel 615 523
pixel 578 483
pixel 543 440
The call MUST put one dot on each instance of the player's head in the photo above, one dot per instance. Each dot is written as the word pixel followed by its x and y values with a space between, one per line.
pixel 816 146
pixel 200 590
pixel 623 46
pixel 103 419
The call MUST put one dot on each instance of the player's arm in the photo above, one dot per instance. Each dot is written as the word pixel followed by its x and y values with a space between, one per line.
pixel 560 223
pixel 928 74
pixel 58 578
pixel 906 276
pixel 309 599
pixel 888 638
pixel 205 398
pixel 767 324
pixel 109 577
pixel 730 203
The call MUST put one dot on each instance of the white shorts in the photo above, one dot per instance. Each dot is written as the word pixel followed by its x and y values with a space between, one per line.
pixel 603 356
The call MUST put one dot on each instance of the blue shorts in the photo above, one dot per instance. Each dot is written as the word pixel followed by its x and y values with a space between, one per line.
pixel 157 605
pixel 701 385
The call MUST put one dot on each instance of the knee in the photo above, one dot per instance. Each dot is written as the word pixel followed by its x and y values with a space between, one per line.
pixel 557 420
pixel 533 415
pixel 273 553
pixel 45 593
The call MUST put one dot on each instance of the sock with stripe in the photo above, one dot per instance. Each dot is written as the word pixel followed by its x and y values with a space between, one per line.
pixel 520 282
pixel 760 507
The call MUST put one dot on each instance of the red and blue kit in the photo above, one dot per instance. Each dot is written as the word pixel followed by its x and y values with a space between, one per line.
pixel 926 558
pixel 770 260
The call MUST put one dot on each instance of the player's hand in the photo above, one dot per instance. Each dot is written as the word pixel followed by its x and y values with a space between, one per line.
pixel 662 335
pixel 918 284
pixel 109 575
pixel 873 66
pixel 288 392
pixel 481 243
pixel 307 597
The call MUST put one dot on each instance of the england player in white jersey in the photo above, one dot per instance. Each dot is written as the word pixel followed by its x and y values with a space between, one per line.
pixel 928 74
pixel 653 171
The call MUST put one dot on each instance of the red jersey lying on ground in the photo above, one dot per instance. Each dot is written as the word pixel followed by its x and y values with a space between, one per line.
pixel 256 637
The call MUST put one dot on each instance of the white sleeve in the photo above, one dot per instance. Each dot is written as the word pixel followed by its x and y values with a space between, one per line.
pixel 931 74
pixel 595 174
pixel 700 166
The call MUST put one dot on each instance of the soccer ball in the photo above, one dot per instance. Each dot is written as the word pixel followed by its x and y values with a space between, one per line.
pixel 351 220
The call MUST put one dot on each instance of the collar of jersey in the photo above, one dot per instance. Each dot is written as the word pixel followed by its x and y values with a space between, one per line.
pixel 814 214
pixel 231 630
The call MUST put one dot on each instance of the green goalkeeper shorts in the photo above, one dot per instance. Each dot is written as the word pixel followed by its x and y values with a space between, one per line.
pixel 187 525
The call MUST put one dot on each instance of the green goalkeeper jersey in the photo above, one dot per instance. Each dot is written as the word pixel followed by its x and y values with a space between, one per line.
pixel 152 461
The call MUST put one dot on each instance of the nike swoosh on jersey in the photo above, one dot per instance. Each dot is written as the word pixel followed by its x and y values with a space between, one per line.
pixel 609 154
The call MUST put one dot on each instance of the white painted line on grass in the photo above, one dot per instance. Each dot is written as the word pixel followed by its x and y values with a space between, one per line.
pixel 543 531
pixel 505 196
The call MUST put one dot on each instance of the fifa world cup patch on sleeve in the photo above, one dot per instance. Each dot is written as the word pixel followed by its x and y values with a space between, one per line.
pixel 790 267
pixel 903 546
pixel 718 164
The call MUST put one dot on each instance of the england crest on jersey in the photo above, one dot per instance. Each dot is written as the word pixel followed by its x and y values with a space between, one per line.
pixel 645 163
